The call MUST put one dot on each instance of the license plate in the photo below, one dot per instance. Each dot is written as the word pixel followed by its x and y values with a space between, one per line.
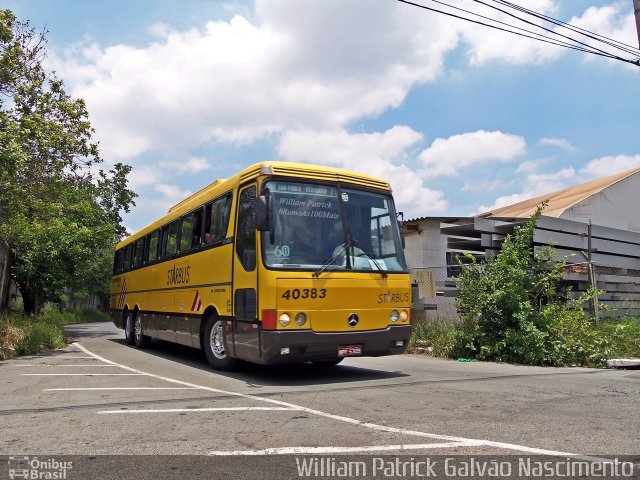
pixel 349 350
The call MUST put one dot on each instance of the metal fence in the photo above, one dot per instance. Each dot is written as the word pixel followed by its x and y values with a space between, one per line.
pixel 434 290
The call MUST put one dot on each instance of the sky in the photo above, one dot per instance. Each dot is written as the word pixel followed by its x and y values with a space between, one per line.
pixel 457 117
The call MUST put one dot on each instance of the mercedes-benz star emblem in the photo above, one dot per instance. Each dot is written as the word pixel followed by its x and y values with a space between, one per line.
pixel 353 320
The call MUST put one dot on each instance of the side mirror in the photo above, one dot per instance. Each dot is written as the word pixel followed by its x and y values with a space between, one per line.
pixel 400 218
pixel 264 214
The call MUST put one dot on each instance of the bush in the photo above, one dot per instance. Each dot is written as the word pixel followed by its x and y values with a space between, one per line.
pixel 437 338
pixel 513 308
pixel 20 335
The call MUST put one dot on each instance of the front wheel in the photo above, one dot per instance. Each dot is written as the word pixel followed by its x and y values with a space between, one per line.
pixel 214 345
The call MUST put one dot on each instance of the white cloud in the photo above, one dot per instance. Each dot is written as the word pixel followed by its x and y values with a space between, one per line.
pixel 240 80
pixel 486 44
pixel 378 154
pixel 533 185
pixel 561 143
pixel 192 165
pixel 450 156
pixel 610 165
pixel 615 21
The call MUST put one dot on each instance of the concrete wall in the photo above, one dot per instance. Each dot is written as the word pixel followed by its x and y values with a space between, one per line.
pixel 427 246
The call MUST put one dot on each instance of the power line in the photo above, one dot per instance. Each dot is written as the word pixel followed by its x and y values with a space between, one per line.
pixel 577 45
pixel 596 36
pixel 539 26
pixel 548 39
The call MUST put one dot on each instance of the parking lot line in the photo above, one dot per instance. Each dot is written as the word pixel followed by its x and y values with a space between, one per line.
pixel 353 421
pixel 91 365
pixel 79 374
pixel 83 389
pixel 212 409
pixel 338 450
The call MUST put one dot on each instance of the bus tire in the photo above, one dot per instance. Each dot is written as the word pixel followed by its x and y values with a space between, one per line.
pixel 214 345
pixel 128 328
pixel 141 341
pixel 327 363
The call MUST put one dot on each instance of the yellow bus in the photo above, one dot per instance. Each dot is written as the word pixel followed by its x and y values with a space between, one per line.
pixel 281 263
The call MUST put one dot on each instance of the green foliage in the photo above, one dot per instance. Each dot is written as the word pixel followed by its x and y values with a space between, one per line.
pixel 26 335
pixel 59 213
pixel 620 337
pixel 514 309
pixel 437 338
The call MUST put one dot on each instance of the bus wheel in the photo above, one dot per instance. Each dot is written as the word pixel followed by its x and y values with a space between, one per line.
pixel 214 346
pixel 128 329
pixel 141 341
pixel 327 363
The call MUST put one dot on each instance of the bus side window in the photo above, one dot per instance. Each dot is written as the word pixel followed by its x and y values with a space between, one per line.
pixel 186 226
pixel 152 247
pixel 216 220
pixel 137 253
pixel 164 235
pixel 117 261
pixel 127 257
pixel 191 227
pixel 172 239
pixel 246 229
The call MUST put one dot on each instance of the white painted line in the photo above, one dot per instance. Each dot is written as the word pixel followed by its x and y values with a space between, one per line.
pixel 65 365
pixel 352 421
pixel 77 374
pixel 114 388
pixel 190 410
pixel 338 450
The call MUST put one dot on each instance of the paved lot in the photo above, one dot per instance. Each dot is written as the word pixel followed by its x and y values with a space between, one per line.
pixel 99 396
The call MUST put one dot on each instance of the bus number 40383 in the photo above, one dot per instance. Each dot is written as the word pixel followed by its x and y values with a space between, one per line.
pixel 298 293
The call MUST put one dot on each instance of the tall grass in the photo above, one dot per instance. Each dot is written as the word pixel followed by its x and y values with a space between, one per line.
pixel 21 335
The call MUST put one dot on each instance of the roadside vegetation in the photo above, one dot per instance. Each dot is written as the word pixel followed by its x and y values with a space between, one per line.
pixel 27 335
pixel 513 308
pixel 59 212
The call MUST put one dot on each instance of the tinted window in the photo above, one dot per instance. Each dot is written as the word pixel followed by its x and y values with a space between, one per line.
pixel 172 239
pixel 246 229
pixel 152 247
pixel 191 229
pixel 216 220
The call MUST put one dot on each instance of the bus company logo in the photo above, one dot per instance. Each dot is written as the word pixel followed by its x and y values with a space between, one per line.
pixel 34 468
pixel 196 306
pixel 123 294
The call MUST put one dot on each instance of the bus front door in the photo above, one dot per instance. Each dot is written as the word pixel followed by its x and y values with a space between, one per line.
pixel 246 335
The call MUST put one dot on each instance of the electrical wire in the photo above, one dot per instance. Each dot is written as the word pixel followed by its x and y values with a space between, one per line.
pixel 587 33
pixel 577 45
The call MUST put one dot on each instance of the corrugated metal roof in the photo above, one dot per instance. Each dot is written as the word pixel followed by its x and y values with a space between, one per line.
pixel 558 201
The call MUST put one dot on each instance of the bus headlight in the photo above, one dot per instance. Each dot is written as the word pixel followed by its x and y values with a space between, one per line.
pixel 284 319
pixel 301 319
pixel 394 315
pixel 404 316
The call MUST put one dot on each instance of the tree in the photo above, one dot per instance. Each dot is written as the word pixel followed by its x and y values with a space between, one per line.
pixel 59 213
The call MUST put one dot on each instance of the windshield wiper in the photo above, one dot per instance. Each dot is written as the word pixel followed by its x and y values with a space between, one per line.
pixel 368 257
pixel 336 253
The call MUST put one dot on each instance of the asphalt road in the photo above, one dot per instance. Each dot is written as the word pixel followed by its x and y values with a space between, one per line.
pixel 102 397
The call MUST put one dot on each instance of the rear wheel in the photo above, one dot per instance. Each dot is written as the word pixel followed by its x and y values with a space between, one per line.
pixel 141 341
pixel 215 347
pixel 128 328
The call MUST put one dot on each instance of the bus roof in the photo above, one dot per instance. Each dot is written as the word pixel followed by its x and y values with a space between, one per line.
pixel 276 168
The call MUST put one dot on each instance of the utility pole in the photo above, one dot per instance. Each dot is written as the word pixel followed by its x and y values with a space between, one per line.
pixel 636 12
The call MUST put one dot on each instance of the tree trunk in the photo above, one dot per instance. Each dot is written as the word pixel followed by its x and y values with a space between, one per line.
pixel 31 301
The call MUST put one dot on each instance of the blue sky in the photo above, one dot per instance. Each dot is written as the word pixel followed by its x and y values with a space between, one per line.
pixel 458 118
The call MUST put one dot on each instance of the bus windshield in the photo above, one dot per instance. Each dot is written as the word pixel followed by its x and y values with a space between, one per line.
pixel 319 226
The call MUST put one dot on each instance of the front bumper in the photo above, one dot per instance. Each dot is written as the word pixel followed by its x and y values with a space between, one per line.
pixel 306 345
